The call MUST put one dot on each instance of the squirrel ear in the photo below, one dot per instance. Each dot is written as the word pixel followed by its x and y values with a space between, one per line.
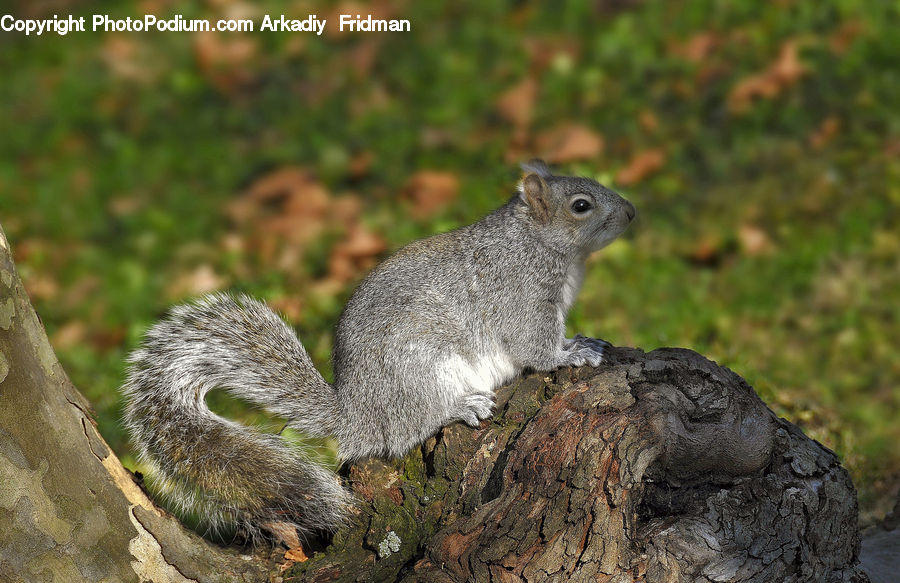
pixel 537 195
pixel 537 166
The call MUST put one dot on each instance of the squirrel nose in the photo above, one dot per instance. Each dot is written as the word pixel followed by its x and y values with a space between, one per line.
pixel 630 210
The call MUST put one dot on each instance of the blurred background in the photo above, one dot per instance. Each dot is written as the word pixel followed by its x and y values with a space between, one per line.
pixel 760 142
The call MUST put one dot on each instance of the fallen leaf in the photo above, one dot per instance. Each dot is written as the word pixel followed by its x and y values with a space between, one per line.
pixel 286 205
pixel 202 280
pixel 122 56
pixel 77 293
pixel 346 210
pixel 280 183
pixel 640 166
pixel 69 334
pixel 516 104
pixel 107 338
pixel 841 40
pixel 362 56
pixel 227 61
pixel 648 120
pixel 40 286
pixel 826 131
pixel 697 48
pixel 754 241
pixel 781 74
pixel 361 243
pixel 707 252
pixel 291 307
pixel 430 191
pixel 356 253
pixel 569 142
pixel 296 555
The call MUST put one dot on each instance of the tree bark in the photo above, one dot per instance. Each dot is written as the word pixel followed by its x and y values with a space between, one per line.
pixel 69 511
pixel 652 467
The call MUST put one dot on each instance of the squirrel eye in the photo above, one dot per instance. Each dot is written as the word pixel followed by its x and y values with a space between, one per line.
pixel 581 206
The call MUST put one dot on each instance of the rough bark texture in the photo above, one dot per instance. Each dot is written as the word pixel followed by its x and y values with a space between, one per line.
pixel 652 467
pixel 69 511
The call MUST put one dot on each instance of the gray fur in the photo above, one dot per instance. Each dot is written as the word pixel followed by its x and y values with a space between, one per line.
pixel 423 342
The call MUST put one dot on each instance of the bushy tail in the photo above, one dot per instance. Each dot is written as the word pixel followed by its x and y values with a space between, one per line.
pixel 226 473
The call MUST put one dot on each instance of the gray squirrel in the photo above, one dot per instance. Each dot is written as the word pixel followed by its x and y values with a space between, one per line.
pixel 424 341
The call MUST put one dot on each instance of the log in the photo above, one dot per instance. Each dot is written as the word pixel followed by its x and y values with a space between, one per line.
pixel 658 466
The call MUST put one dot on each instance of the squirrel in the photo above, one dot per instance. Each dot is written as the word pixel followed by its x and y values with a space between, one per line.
pixel 424 341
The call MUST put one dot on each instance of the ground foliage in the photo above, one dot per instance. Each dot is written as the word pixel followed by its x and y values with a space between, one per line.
pixel 758 140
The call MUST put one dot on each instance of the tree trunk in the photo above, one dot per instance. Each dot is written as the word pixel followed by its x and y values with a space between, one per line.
pixel 69 511
pixel 652 467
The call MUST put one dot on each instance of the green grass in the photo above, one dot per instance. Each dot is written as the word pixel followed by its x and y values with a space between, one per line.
pixel 118 166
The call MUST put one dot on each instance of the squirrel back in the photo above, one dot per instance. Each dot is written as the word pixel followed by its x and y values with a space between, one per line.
pixel 424 340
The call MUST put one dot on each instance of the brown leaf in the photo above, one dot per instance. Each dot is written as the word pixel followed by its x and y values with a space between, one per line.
pixel 568 142
pixel 516 104
pixel 362 56
pixel 354 254
pixel 202 280
pixel 286 205
pixel 781 74
pixel 107 338
pixel 827 130
pixel 361 243
pixel 41 286
pixel 430 191
pixel 648 120
pixel 121 55
pixel 707 252
pixel 697 48
pixel 640 166
pixel 296 555
pixel 291 307
pixel 226 61
pixel 841 40
pixel 754 241
pixel 346 210
pixel 69 334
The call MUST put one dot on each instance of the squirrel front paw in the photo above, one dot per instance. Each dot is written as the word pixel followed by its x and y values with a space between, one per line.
pixel 472 408
pixel 582 350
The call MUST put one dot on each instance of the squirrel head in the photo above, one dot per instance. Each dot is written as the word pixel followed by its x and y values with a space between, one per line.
pixel 573 211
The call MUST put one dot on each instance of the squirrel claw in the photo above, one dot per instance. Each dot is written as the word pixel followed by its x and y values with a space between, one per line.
pixel 474 408
pixel 582 350
pixel 580 340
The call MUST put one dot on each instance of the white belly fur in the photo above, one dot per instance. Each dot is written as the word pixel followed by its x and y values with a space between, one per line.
pixel 482 377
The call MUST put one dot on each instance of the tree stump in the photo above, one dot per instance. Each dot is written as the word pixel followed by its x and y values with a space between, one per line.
pixel 652 467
